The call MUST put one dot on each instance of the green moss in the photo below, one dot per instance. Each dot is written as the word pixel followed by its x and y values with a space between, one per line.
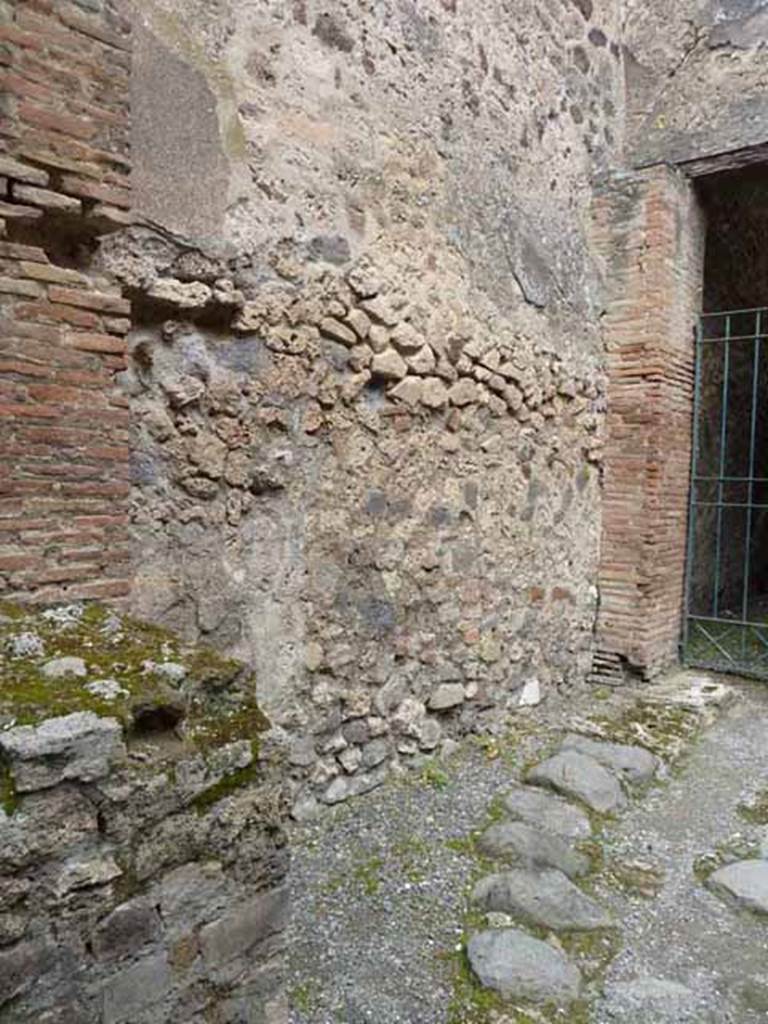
pixel 368 874
pixel 9 800
pixel 304 997
pixel 225 787
pixel 214 704
pixel 11 610
pixel 727 851
pixel 216 726
pixel 756 811
pixel 434 776
pixel 634 878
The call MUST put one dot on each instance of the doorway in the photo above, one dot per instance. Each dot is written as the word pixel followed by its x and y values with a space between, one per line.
pixel 726 601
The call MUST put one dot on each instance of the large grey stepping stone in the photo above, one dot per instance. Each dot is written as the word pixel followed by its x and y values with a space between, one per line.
pixel 518 966
pixel 533 847
pixel 581 777
pixel 547 898
pixel 656 1000
pixel 632 764
pixel 536 807
pixel 746 882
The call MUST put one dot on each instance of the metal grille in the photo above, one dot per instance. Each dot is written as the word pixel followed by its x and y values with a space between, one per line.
pixel 726 600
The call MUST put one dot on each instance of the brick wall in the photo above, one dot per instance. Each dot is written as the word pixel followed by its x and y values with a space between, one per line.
pixel 649 232
pixel 64 144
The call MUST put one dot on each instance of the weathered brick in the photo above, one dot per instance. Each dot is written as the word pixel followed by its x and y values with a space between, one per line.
pixel 22 172
pixel 48 272
pixel 92 342
pixel 98 301
pixel 46 199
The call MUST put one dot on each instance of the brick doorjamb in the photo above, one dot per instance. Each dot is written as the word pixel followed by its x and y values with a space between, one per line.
pixel 649 233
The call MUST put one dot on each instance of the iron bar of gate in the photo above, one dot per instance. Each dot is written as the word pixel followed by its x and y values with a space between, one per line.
pixel 726 504
pixel 750 492
pixel 733 479
pixel 732 337
pixel 723 444
pixel 692 496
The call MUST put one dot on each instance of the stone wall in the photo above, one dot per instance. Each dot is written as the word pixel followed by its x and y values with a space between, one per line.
pixel 63 182
pixel 142 856
pixel 694 78
pixel 367 419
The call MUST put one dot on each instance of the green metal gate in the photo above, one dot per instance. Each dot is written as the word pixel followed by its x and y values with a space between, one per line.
pixel 726 596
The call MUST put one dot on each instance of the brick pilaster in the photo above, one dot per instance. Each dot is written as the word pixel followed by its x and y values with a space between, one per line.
pixel 649 233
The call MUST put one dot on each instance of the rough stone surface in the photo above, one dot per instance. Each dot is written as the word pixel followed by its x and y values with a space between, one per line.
pixel 79 746
pixel 632 764
pixel 518 966
pixel 745 882
pixel 546 898
pixel 547 811
pixel 576 775
pixel 139 885
pixel 532 847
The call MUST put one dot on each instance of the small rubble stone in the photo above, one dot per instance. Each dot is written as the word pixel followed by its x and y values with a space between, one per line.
pixel 344 787
pixel 578 776
pixel 59 668
pixel 632 764
pixel 107 689
pixel 745 882
pixel 337 331
pixel 434 393
pixel 25 645
pixel 532 847
pixel 545 898
pixel 85 873
pixel 517 966
pixel 388 365
pixel 187 295
pixel 445 697
pixel 77 746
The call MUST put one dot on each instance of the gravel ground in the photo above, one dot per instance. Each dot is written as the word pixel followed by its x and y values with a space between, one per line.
pixel 379 892
pixel 379 885
pixel 687 935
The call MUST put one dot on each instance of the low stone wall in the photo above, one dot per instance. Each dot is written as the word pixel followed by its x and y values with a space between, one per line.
pixel 142 858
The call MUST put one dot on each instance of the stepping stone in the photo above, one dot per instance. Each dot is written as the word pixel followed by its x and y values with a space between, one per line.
pixel 518 966
pixel 653 999
pixel 550 812
pixel 632 764
pixel 547 898
pixel 533 847
pixel 746 882
pixel 581 777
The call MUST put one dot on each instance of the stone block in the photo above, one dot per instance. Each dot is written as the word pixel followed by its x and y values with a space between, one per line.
pixel 79 746
pixel 234 934
pixel 139 987
pixel 126 930
pixel 21 966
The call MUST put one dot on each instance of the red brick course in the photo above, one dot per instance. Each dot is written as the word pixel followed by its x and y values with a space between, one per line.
pixel 64 154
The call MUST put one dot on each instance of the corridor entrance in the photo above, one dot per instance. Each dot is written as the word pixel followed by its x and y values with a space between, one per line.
pixel 726 614
pixel 726 602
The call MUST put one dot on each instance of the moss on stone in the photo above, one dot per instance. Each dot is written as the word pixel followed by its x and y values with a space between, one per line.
pixel 212 705
pixel 225 787
pixel 756 810
pixel 9 800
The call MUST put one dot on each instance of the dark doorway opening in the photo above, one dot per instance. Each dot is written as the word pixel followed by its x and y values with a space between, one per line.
pixel 726 619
